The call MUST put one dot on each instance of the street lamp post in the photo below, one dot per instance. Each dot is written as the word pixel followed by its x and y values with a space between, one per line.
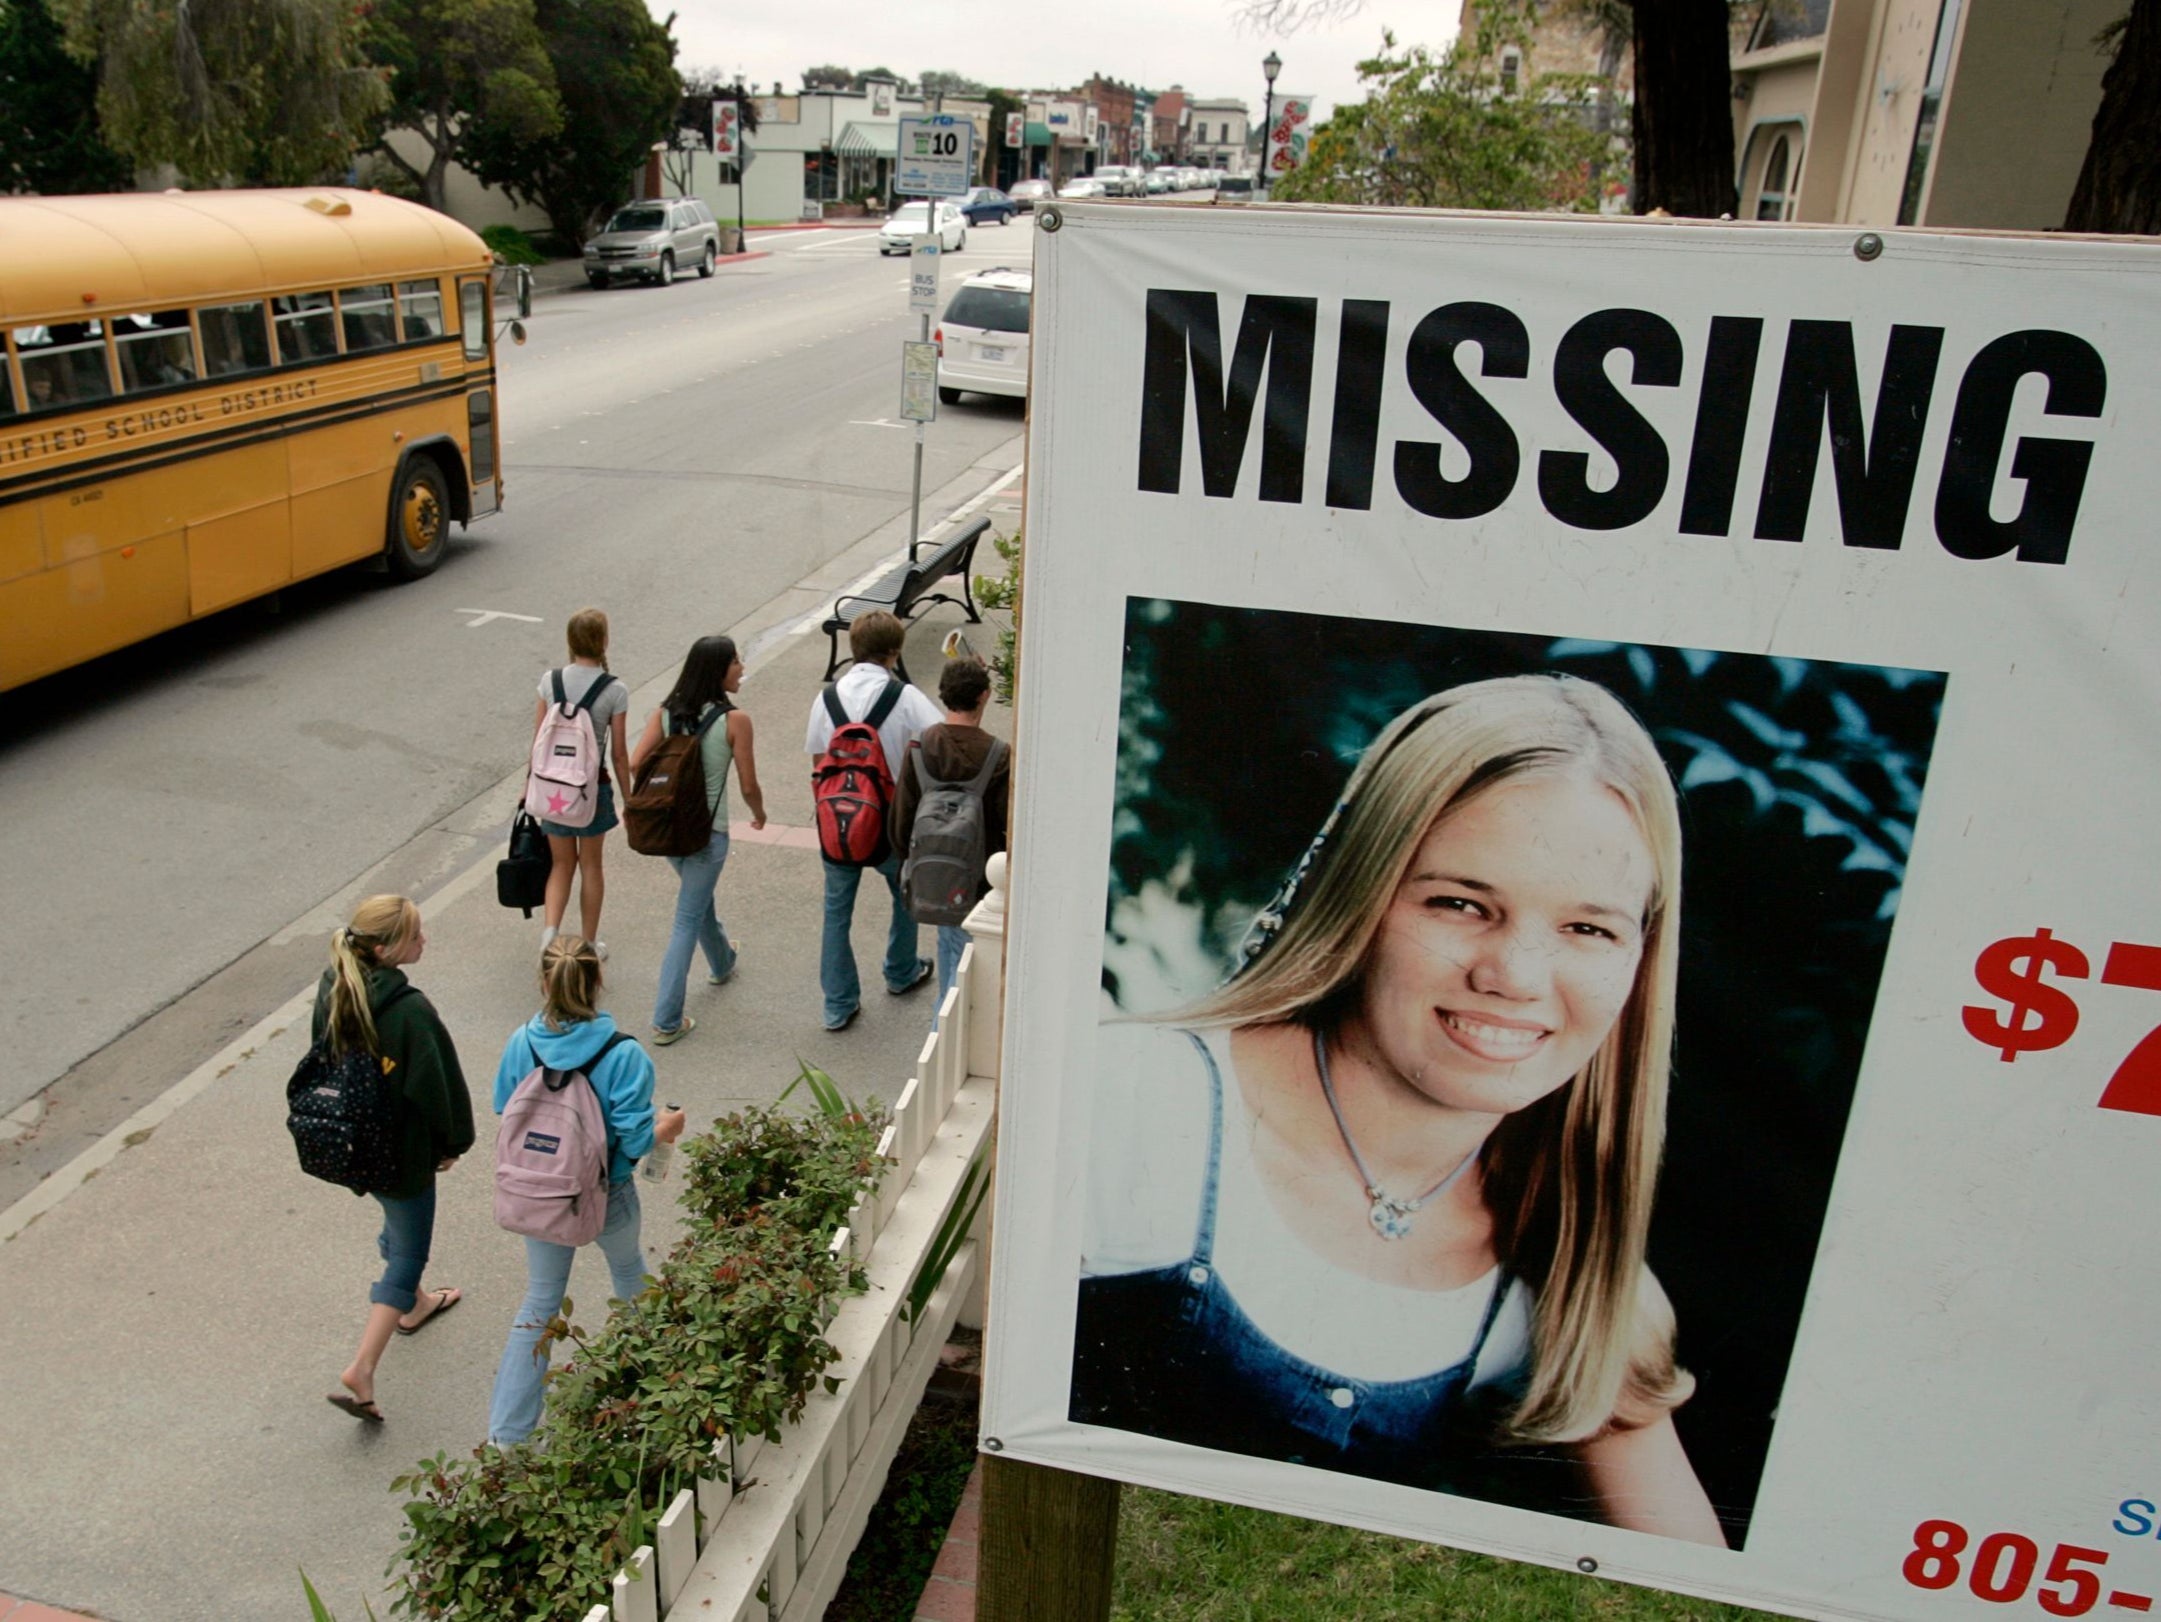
pixel 1271 65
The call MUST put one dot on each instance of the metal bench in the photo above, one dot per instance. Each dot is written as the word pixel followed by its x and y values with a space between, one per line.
pixel 907 587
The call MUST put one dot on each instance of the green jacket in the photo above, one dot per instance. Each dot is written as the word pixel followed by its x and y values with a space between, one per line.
pixel 438 1113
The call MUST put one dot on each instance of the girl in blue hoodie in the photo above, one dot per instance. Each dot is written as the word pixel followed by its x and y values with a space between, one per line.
pixel 568 1034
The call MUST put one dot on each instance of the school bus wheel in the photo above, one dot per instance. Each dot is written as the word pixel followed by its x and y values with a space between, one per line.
pixel 419 519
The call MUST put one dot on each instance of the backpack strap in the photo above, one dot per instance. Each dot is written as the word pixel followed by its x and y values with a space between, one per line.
pixel 556 676
pixel 719 709
pixel 586 1069
pixel 924 782
pixel 992 760
pixel 894 687
pixel 833 706
pixel 591 693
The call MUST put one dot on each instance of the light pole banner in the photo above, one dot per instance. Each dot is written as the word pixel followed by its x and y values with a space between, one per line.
pixel 1288 133
pixel 1585 967
pixel 727 131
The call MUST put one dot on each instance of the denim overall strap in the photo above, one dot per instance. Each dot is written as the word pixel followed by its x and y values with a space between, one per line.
pixel 1204 1239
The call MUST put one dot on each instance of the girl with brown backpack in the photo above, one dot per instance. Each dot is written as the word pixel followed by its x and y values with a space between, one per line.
pixel 698 706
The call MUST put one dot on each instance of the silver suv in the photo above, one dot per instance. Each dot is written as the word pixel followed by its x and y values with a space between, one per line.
pixel 652 240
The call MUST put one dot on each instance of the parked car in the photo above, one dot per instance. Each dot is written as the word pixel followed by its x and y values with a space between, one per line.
pixel 652 240
pixel 987 205
pixel 1121 180
pixel 983 336
pixel 1027 193
pixel 912 220
pixel 1084 186
pixel 1161 181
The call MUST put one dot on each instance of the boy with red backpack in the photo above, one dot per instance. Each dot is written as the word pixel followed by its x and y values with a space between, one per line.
pixel 860 728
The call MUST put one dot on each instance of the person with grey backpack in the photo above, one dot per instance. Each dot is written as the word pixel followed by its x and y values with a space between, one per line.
pixel 576 1097
pixel 949 813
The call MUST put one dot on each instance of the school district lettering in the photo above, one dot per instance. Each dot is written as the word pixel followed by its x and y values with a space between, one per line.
pixel 1875 455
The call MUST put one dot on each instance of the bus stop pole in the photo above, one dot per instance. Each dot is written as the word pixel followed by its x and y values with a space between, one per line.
pixel 915 490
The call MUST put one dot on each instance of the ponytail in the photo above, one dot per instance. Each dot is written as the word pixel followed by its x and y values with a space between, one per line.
pixel 381 925
pixel 569 981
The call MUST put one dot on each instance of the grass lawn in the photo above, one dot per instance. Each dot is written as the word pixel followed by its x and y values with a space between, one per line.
pixel 1189 1560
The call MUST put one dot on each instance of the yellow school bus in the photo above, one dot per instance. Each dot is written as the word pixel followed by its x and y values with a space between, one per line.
pixel 209 395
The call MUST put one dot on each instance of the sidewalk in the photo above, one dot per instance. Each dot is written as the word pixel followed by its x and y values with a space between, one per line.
pixel 175 1320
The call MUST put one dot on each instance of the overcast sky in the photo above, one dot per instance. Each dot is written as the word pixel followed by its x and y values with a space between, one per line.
pixel 1200 44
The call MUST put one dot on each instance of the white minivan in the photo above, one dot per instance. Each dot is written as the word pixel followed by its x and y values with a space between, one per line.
pixel 983 336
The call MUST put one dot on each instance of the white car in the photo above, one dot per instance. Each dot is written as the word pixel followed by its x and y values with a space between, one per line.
pixel 912 220
pixel 983 336
pixel 1084 186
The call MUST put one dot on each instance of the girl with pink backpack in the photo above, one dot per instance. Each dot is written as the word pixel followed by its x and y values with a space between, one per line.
pixel 578 735
pixel 575 1044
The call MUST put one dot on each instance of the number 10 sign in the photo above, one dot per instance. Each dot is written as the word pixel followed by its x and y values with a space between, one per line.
pixel 937 156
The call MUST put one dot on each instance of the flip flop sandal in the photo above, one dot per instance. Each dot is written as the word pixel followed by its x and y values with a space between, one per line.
pixel 366 1412
pixel 445 1298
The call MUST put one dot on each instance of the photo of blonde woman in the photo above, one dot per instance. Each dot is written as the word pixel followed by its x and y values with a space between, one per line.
pixel 1381 1201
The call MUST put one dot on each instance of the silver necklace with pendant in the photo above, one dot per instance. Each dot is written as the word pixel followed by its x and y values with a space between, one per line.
pixel 1389 1213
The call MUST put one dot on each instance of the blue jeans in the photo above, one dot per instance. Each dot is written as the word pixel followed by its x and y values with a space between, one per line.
pixel 697 925
pixel 952 941
pixel 408 1230
pixel 836 956
pixel 514 1409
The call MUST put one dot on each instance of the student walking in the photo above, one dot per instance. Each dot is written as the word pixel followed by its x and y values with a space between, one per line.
pixel 701 705
pixel 366 1002
pixel 570 1033
pixel 870 692
pixel 584 683
pixel 955 752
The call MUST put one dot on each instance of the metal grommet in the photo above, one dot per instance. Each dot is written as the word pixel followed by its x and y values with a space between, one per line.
pixel 1867 246
pixel 991 1444
pixel 1587 1565
pixel 1049 217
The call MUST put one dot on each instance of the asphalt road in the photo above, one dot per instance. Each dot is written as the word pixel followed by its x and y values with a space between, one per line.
pixel 674 455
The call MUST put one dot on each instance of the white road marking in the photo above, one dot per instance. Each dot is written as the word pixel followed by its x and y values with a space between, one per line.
pixel 488 614
pixel 875 422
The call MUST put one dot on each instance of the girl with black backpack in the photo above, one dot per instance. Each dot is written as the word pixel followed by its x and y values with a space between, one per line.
pixel 366 1003
pixel 699 705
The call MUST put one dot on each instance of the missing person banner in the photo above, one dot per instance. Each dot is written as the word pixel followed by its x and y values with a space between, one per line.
pixel 1584 975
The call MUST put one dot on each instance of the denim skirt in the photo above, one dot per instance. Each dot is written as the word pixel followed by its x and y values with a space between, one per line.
pixel 604 817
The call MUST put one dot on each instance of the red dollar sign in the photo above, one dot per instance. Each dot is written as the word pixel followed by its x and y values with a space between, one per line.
pixel 2055 1014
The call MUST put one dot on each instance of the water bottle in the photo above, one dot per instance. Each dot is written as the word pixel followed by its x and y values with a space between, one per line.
pixel 655 1168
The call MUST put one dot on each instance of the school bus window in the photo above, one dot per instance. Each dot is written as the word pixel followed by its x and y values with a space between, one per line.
pixel 421 303
pixel 369 318
pixel 235 339
pixel 156 351
pixel 307 327
pixel 473 317
pixel 7 389
pixel 63 364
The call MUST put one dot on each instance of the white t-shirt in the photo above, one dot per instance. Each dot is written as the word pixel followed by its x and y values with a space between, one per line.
pixel 1147 1168
pixel 859 687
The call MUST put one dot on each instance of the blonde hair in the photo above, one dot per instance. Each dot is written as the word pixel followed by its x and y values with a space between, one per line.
pixel 569 981
pixel 380 927
pixel 587 635
pixel 1569 1180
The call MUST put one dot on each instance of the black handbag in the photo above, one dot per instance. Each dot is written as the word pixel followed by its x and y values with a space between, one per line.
pixel 521 877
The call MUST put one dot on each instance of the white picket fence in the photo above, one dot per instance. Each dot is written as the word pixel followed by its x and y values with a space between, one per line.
pixel 767 1537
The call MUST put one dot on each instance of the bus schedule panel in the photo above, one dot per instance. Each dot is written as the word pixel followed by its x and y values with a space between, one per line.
pixel 164 458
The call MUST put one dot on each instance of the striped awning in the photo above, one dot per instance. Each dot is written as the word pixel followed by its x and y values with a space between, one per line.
pixel 869 141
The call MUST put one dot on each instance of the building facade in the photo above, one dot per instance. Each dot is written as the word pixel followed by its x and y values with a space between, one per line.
pixel 1218 136
pixel 1968 113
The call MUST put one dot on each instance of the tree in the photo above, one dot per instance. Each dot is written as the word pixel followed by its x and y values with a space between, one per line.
pixel 49 140
pixel 828 76
pixel 703 89
pixel 2119 185
pixel 1450 132
pixel 941 82
pixel 1682 122
pixel 468 77
pixel 615 79
pixel 1683 116
pixel 263 91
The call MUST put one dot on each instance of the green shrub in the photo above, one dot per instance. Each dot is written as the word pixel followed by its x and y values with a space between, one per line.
pixel 728 1339
pixel 512 245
